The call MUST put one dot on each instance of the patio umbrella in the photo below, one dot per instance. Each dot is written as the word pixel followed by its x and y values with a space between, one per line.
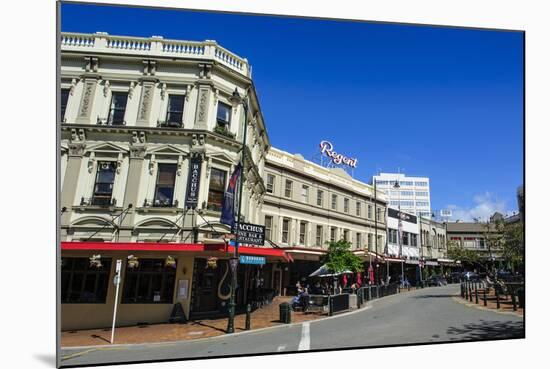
pixel 324 272
pixel 371 274
pixel 359 279
pixel 345 280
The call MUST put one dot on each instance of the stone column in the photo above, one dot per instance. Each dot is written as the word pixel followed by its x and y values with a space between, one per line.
pixel 203 105
pixel 87 101
pixel 146 101
pixel 72 175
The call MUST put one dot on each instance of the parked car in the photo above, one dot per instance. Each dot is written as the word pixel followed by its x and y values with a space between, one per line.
pixel 436 280
pixel 454 277
pixel 470 276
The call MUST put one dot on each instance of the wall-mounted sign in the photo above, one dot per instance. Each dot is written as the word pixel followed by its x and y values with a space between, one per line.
pixel 327 149
pixel 254 260
pixel 250 233
pixel 393 213
pixel 193 182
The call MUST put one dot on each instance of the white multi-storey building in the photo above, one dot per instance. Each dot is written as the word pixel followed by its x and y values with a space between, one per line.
pixel 413 193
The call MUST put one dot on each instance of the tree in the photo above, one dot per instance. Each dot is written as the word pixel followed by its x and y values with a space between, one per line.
pixel 456 251
pixel 339 258
pixel 512 248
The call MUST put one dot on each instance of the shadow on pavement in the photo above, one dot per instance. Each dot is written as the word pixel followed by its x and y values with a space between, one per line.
pixel 487 330
pixel 433 296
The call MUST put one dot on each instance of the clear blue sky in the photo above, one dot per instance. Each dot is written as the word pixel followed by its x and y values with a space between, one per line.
pixel 440 102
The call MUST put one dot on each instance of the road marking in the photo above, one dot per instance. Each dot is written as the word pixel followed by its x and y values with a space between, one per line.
pixel 304 341
pixel 281 348
pixel 80 353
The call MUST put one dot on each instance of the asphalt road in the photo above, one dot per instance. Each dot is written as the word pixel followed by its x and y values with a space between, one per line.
pixel 426 315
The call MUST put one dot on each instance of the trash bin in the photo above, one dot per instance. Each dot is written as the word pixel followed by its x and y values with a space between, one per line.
pixel 521 298
pixel 285 313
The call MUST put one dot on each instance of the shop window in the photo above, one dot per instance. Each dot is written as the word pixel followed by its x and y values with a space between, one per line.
pixel 164 189
pixel 64 100
pixel 118 108
pixel 216 189
pixel 174 113
pixel 82 282
pixel 104 181
pixel 151 281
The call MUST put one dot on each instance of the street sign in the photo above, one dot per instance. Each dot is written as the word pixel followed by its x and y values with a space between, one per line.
pixel 233 262
pixel 193 182
pixel 254 260
pixel 117 284
pixel 250 233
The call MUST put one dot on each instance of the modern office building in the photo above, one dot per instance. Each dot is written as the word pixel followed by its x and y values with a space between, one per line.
pixel 307 205
pixel 413 193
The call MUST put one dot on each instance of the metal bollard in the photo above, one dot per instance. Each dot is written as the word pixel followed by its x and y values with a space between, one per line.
pixel 498 301
pixel 462 290
pixel 247 322
pixel 484 297
pixel 477 301
pixel 470 292
pixel 514 305
pixel 330 307
pixel 359 300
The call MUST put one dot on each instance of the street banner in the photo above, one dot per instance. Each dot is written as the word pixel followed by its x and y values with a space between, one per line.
pixel 247 233
pixel 228 205
pixel 193 182
pixel 253 260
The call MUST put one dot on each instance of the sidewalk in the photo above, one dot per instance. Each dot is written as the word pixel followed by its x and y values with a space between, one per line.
pixel 506 305
pixel 267 316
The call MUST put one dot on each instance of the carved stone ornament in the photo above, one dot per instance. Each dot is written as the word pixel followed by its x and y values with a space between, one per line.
pixel 138 151
pixel 201 140
pixel 119 163
pixel 142 137
pixel 188 92
pixel 81 134
pixel 163 91
pixel 216 95
pixel 76 148
pixel 205 70
pixel 106 88
pixel 149 67
pixel 152 164
pixel 131 89
pixel 91 64
pixel 180 163
pixel 73 86
pixel 91 162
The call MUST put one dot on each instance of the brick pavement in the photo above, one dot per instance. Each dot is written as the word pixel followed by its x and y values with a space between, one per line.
pixel 264 317
pixel 506 304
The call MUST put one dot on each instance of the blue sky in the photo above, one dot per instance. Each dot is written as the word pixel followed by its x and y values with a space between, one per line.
pixel 440 102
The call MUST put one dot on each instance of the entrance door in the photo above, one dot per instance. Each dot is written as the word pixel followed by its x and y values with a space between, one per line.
pixel 205 289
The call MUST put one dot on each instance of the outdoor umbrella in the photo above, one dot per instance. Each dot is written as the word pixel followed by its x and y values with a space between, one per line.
pixel 345 280
pixel 371 274
pixel 324 272
pixel 359 279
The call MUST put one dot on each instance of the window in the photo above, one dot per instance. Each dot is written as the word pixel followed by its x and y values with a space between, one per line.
pixel 414 240
pixel 358 208
pixel 405 183
pixel 64 100
pixel 382 183
pixel 407 193
pixel 216 189
pixel 358 240
pixel 346 235
pixel 421 184
pixel 369 211
pixel 319 198
pixel 421 193
pixel 305 193
pixel 422 203
pixel 288 188
pixel 481 243
pixel 334 202
pixel 392 235
pixel 270 183
pixel 406 241
pixel 83 283
pixel 370 239
pixel 286 226
pixel 346 205
pixel 118 108
pixel 164 190
pixel 174 113
pixel 268 226
pixel 394 202
pixel 332 234
pixel 224 115
pixel 303 227
pixel 104 181
pixel 379 214
pixel 149 282
pixel 319 236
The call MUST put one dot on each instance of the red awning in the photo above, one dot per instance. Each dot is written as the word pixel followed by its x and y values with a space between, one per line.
pixel 174 247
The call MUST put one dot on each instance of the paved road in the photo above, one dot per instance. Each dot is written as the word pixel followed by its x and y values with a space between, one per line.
pixel 426 315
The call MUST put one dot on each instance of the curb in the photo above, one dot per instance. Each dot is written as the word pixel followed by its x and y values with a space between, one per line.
pixel 367 306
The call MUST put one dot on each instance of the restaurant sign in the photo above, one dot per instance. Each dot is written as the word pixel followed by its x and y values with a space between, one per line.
pixel 328 150
pixel 249 233
pixel 193 182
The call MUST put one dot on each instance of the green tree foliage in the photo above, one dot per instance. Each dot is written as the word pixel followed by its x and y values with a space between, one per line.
pixel 339 258
pixel 512 248
pixel 457 252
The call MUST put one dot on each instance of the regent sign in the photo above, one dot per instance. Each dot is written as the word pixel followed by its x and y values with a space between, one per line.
pixel 327 149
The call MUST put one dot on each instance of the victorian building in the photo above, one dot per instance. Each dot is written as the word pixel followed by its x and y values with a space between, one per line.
pixel 307 205
pixel 148 143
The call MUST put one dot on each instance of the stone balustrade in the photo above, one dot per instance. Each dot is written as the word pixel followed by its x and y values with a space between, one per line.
pixel 154 46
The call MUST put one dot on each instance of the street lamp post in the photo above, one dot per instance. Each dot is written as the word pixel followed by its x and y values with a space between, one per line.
pixel 235 101
pixel 399 229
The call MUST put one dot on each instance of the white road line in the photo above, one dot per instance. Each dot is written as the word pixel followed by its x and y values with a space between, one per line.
pixel 304 341
pixel 281 348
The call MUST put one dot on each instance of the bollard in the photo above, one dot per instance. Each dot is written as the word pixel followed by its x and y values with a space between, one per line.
pixel 484 297
pixel 462 290
pixel 330 307
pixel 409 287
pixel 498 301
pixel 514 306
pixel 359 300
pixel 470 291
pixel 477 301
pixel 247 323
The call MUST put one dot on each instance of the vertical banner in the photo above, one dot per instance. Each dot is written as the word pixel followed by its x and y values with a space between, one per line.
pixel 228 206
pixel 193 182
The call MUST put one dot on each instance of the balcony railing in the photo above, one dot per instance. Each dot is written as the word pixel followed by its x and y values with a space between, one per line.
pixel 101 201
pixel 155 46
pixel 157 203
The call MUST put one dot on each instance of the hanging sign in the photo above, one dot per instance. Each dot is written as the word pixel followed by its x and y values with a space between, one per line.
pixel 193 182
pixel 249 233
pixel 254 260
pixel 327 149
